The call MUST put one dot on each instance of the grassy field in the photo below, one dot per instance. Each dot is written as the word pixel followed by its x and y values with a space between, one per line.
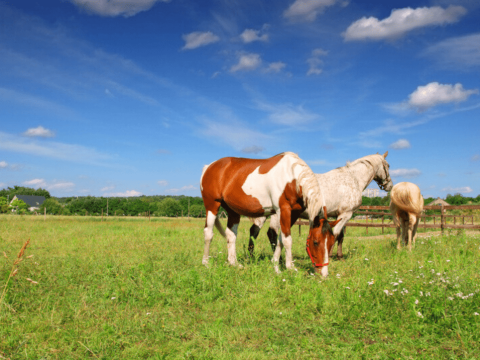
pixel 133 289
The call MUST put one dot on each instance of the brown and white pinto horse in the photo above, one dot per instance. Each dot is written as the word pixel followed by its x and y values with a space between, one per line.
pixel 283 184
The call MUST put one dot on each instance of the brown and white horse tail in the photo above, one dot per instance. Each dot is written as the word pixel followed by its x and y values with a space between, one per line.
pixel 407 197
pixel 219 227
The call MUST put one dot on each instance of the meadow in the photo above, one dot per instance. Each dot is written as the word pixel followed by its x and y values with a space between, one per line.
pixel 129 288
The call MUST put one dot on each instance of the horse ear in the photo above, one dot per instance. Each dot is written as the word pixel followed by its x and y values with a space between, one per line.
pixel 316 222
pixel 325 212
pixel 385 155
pixel 333 223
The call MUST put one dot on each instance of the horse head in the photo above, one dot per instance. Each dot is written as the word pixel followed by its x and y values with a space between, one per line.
pixel 320 241
pixel 382 175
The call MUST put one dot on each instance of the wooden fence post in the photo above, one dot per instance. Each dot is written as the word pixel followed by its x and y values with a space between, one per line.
pixel 299 229
pixel 442 219
pixel 102 214
pixel 383 218
pixel 366 222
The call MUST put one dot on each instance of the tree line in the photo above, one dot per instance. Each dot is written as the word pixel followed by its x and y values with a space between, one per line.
pixel 158 205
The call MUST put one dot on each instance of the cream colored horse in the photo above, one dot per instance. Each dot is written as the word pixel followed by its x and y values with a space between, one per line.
pixel 406 205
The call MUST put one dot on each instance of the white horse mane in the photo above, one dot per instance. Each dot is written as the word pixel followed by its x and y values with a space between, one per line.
pixel 311 192
pixel 374 160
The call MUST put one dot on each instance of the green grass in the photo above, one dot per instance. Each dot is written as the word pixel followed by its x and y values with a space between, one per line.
pixel 133 289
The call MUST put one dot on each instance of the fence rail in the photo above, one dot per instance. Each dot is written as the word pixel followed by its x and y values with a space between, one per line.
pixel 442 224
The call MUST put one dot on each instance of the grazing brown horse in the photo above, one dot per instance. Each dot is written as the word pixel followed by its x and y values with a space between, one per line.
pixel 283 184
pixel 406 206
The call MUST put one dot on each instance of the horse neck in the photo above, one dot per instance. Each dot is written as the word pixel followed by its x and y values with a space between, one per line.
pixel 364 173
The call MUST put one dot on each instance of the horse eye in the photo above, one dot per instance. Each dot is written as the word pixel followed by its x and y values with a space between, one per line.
pixel 315 242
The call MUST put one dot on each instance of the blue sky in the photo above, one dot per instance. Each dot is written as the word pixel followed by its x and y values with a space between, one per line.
pixel 131 97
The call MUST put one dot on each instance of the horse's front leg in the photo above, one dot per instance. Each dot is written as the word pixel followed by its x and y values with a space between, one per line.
pixel 254 231
pixel 339 233
pixel 287 218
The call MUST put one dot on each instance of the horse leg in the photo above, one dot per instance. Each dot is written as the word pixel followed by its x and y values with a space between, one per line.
pixel 254 231
pixel 415 230
pixel 273 231
pixel 276 254
pixel 399 228
pixel 412 219
pixel 285 225
pixel 208 231
pixel 340 243
pixel 231 234
pixel 339 233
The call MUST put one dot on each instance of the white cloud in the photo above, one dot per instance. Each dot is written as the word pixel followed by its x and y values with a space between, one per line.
pixel 402 21
pixel 35 183
pixel 107 188
pixel 406 173
pixel 51 149
pixel 3 164
pixel 128 193
pixel 275 67
pixel 457 52
pixel 401 144
pixel 434 94
pixel 39 131
pixel 115 7
pixel 183 189
pixel 475 158
pixel 247 62
pixel 62 186
pixel 254 149
pixel 162 182
pixel 2 185
pixel 315 62
pixel 197 39
pixel 463 190
pixel 250 35
pixel 287 114
pixel 232 133
pixel 307 10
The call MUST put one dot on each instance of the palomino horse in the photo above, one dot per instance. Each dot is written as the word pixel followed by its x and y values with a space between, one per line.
pixel 406 205
pixel 342 189
pixel 283 185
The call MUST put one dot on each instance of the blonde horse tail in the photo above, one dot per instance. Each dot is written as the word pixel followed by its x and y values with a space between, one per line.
pixel 407 197
pixel 219 227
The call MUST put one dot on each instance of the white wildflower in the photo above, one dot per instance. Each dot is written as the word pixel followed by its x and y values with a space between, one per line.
pixel 366 259
pixel 419 314
pixel 113 298
pixel 476 314
pixel 416 301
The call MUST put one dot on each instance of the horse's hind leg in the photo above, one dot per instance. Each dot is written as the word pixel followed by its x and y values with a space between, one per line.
pixel 254 231
pixel 208 234
pixel 411 224
pixel 399 228
pixel 415 230
pixel 231 234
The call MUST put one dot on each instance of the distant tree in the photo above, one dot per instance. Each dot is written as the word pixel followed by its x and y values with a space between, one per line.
pixel 22 190
pixel 197 210
pixel 52 206
pixel 3 205
pixel 169 207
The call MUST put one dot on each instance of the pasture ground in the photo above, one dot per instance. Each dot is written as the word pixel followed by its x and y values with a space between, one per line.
pixel 133 289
